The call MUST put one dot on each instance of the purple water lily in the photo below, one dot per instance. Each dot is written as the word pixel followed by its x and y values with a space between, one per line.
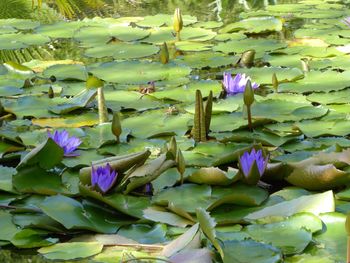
pixel 347 21
pixel 103 177
pixel 237 84
pixel 68 144
pixel 247 160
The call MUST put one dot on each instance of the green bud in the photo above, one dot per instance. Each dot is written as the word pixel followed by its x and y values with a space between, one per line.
pixel 172 146
pixel 178 23
pixel 51 93
pixel 247 59
pixel 305 65
pixel 93 82
pixel 116 126
pixel 180 164
pixel 275 81
pixel 248 96
pixel 347 224
pixel 1 109
pixel 164 54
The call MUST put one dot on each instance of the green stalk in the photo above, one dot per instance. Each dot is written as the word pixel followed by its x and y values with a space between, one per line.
pixel 250 126
pixel 102 109
pixel 208 111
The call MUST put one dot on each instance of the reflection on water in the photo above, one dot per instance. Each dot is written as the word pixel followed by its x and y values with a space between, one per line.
pixel 222 10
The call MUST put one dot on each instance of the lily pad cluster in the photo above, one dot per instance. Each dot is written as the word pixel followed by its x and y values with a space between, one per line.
pixel 172 196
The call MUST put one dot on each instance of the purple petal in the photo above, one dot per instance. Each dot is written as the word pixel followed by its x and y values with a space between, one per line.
pixel 247 160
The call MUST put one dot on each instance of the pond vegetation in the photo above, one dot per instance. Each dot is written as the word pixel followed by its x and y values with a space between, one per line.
pixel 174 131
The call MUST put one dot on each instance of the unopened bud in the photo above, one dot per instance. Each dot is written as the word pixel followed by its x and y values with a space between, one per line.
pixel 164 54
pixel 116 125
pixel 275 81
pixel 248 96
pixel 51 93
pixel 178 23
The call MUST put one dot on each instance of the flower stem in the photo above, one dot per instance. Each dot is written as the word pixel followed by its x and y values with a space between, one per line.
pixel 348 251
pixel 249 118
pixel 178 36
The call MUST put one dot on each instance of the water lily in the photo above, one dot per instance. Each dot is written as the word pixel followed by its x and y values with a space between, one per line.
pixel 252 166
pixel 103 177
pixel 347 21
pixel 237 84
pixel 68 144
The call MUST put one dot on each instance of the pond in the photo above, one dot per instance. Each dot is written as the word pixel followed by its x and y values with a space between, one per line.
pixel 174 131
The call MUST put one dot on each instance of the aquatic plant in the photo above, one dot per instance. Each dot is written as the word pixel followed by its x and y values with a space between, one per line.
pixel 103 177
pixel 116 126
pixel 164 54
pixel 237 84
pixel 248 98
pixel 347 21
pixel 178 23
pixel 202 117
pixel 252 166
pixel 68 144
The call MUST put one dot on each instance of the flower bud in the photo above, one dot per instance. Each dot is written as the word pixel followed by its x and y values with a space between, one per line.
pixel 180 164
pixel 93 83
pixel 50 93
pixel 164 54
pixel 347 224
pixel 275 81
pixel 305 65
pixel 116 126
pixel 247 59
pixel 248 96
pixel 172 146
pixel 178 23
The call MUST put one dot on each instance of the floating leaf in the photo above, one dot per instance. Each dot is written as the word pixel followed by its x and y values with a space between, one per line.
pixel 71 250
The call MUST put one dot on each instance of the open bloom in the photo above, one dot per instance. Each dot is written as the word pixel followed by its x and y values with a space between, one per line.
pixel 253 165
pixel 103 177
pixel 68 144
pixel 347 21
pixel 237 84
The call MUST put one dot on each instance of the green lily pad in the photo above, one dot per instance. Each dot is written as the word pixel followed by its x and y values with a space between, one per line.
pixel 145 234
pixel 75 215
pixel 333 240
pixel 255 25
pixel 77 102
pixel 330 80
pixel 295 236
pixel 250 251
pixel 259 45
pixel 166 124
pixel 331 127
pixel 193 46
pixel 66 72
pixel 206 59
pixel 122 51
pixel 183 196
pixel 21 24
pixel 138 72
pixel 6 174
pixel 316 204
pixel 71 250
pixel 59 29
pixel 30 238
pixel 163 19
